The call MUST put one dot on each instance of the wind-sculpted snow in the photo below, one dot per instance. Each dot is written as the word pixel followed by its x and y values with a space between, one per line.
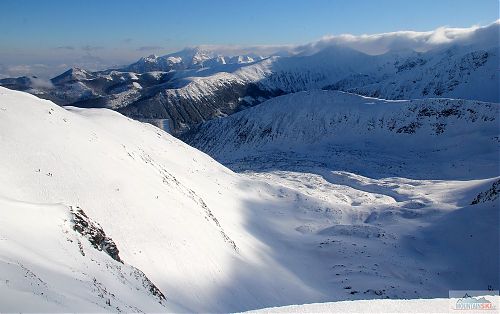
pixel 94 188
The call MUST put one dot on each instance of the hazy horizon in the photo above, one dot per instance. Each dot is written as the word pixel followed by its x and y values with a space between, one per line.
pixel 46 38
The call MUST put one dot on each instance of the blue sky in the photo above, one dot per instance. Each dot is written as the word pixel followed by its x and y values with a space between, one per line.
pixel 121 30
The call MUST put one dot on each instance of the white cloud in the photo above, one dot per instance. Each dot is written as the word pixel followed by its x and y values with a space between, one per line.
pixel 263 50
pixel 418 41
pixel 41 83
pixel 377 43
pixel 150 48
pixel 41 71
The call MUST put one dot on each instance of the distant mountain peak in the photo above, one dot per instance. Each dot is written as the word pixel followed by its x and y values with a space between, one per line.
pixel 74 73
pixel 151 57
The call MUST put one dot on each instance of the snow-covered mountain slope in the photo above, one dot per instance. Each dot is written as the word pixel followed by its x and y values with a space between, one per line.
pixel 189 58
pixel 212 240
pixel 458 72
pixel 443 138
pixel 319 142
pixel 73 74
pixel 53 259
pixel 172 211
pixel 196 84
pixel 441 305
pixel 467 71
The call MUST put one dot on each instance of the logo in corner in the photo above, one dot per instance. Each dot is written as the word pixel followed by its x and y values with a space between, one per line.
pixel 473 300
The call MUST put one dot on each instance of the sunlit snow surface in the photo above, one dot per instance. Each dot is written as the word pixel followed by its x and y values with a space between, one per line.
pixel 217 241
pixel 372 306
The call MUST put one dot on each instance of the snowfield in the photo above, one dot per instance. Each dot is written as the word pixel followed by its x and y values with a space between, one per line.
pixel 371 306
pixel 133 219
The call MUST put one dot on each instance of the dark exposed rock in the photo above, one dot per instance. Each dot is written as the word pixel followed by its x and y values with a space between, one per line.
pixel 489 195
pixel 410 128
pixel 94 233
pixel 410 64
pixel 148 284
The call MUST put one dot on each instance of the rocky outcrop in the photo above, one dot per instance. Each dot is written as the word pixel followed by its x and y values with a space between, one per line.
pixel 94 233
pixel 489 195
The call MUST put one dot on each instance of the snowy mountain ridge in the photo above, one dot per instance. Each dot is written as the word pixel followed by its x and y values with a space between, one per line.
pixel 198 84
pixel 189 58
pixel 323 124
